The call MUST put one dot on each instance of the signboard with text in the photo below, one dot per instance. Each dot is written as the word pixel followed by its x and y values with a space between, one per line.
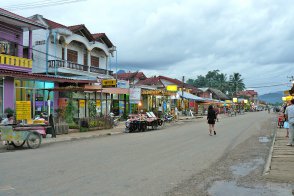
pixel 135 95
pixel 23 110
pixel 82 103
pixel 109 83
pixel 172 88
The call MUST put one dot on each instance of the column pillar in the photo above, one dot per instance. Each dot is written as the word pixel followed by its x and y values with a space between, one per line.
pixel 30 44
pixel 89 59
pixel 65 52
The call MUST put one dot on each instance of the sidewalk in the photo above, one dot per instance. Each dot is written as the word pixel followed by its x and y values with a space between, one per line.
pixel 116 130
pixel 84 135
pixel 282 160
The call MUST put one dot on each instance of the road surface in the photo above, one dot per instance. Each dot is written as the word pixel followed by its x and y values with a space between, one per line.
pixel 148 163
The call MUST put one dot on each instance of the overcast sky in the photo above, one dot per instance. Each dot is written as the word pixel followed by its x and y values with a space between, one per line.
pixel 188 38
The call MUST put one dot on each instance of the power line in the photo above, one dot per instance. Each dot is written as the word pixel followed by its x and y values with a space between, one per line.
pixel 40 4
pixel 268 85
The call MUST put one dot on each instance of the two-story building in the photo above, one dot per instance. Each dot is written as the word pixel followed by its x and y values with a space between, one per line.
pixel 14 57
pixel 17 82
pixel 74 52
pixel 71 50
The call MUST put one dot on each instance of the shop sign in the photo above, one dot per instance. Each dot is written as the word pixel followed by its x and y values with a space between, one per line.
pixel 135 95
pixel 172 88
pixel 82 103
pixel 235 100
pixel 98 103
pixel 23 110
pixel 123 84
pixel 109 83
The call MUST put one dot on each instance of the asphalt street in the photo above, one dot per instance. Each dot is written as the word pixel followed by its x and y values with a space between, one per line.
pixel 148 163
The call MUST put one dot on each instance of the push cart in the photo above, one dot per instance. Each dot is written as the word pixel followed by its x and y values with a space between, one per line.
pixel 19 135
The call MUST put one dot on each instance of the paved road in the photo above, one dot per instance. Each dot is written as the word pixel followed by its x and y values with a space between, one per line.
pixel 149 163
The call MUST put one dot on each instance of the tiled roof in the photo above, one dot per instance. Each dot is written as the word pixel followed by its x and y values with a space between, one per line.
pixel 150 81
pixel 175 81
pixel 54 25
pixel 104 38
pixel 82 28
pixel 218 94
pixel 248 93
pixel 14 16
pixel 32 76
pixel 129 76
pixel 76 27
pixel 98 35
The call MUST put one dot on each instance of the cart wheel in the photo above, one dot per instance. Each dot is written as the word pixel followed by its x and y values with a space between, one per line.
pixel 34 140
pixel 18 144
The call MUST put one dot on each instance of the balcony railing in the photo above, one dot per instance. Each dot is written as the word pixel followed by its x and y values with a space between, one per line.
pixel 100 71
pixel 67 64
pixel 15 61
pixel 75 66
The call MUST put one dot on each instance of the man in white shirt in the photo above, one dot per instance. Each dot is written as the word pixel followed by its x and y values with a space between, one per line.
pixel 289 113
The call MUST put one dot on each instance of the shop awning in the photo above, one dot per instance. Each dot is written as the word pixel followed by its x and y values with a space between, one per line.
pixel 190 96
pixel 120 91
pixel 41 77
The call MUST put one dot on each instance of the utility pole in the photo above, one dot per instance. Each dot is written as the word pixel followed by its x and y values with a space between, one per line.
pixel 183 85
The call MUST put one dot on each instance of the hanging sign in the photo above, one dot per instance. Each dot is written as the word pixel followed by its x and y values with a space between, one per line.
pixel 235 100
pixel 23 110
pixel 109 83
pixel 172 88
pixel 98 103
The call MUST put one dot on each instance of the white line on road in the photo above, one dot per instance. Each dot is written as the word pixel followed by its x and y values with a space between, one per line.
pixel 6 188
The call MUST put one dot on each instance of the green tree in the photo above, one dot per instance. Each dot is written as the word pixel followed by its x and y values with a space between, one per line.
pixel 236 84
pixel 200 81
pixel 222 83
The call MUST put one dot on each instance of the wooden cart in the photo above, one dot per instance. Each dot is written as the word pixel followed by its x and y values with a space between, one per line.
pixel 19 135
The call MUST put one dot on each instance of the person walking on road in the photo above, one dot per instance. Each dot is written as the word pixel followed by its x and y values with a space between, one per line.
pixel 211 118
pixel 289 114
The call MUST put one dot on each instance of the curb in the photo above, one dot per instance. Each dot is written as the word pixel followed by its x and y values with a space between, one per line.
pixel 81 138
pixel 267 166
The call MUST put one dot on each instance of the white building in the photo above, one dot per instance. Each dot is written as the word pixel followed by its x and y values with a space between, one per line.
pixel 72 50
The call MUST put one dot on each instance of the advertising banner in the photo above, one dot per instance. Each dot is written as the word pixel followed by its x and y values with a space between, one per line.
pixel 135 95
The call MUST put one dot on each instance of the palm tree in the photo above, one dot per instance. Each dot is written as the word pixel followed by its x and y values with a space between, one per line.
pixel 222 82
pixel 236 83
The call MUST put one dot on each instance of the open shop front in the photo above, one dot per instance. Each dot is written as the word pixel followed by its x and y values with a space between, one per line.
pixel 157 101
pixel 189 103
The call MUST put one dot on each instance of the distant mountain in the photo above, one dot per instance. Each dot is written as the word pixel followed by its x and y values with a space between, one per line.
pixel 272 97
pixel 121 71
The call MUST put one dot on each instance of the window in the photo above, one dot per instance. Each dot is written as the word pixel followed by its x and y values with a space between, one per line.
pixel 94 61
pixel 85 59
pixel 72 56
pixel 62 57
pixel 8 48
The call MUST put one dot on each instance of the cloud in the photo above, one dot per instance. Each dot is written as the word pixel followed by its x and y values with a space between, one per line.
pixel 191 37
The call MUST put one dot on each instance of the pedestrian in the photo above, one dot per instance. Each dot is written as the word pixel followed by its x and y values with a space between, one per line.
pixel 9 120
pixel 211 117
pixel 176 113
pixel 289 114
pixel 285 123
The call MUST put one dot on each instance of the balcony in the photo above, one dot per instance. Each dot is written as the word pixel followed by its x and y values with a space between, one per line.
pixel 76 67
pixel 100 71
pixel 66 64
pixel 15 61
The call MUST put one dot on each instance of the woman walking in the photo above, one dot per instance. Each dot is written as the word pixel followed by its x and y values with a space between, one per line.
pixel 211 117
